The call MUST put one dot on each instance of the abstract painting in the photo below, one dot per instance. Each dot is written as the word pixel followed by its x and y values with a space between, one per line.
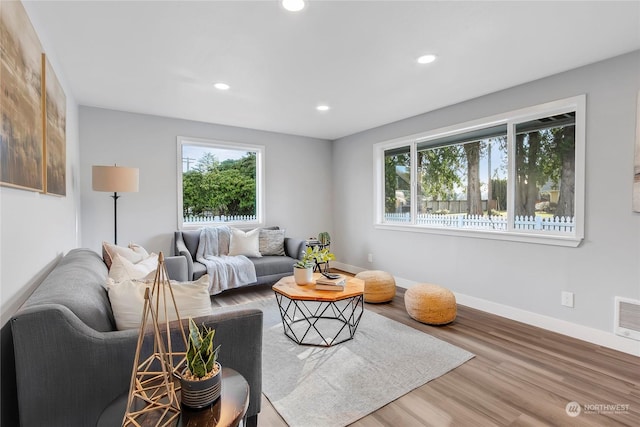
pixel 636 164
pixel 21 129
pixel 55 132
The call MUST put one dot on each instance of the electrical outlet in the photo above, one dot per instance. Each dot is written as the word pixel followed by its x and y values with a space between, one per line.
pixel 370 257
pixel 567 299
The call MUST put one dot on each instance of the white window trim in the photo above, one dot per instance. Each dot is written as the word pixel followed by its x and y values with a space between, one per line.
pixel 577 104
pixel 260 180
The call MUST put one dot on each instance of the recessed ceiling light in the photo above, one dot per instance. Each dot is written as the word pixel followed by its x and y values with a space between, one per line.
pixel 322 108
pixel 221 86
pixel 426 59
pixel 293 5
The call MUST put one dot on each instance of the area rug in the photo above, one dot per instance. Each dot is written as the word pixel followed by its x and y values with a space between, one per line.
pixel 313 387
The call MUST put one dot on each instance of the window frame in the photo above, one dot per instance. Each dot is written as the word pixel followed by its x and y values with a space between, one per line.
pixel 227 145
pixel 510 119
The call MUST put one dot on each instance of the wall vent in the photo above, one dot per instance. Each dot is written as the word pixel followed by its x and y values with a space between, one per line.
pixel 627 322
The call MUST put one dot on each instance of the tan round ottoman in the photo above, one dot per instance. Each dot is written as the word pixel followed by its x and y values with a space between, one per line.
pixel 431 304
pixel 379 286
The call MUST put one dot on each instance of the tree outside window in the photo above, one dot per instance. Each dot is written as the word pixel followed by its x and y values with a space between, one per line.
pixel 219 183
pixel 513 176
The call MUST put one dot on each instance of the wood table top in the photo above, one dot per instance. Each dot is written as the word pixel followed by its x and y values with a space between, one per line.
pixel 288 287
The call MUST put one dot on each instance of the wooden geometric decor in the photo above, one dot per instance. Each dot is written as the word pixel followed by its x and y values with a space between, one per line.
pixel 152 393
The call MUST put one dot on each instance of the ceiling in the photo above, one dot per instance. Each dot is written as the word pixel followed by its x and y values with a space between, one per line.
pixel 358 57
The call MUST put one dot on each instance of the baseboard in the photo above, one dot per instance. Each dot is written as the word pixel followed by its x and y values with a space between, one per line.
pixel 581 332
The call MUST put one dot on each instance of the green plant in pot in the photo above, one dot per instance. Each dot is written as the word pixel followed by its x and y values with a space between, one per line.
pixel 303 268
pixel 201 379
pixel 324 238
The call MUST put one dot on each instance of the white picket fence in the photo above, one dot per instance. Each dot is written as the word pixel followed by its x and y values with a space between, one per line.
pixel 199 219
pixel 495 222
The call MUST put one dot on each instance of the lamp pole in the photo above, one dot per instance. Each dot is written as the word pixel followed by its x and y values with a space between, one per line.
pixel 115 217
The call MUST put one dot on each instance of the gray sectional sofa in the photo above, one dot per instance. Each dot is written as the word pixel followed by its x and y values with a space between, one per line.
pixel 71 362
pixel 269 269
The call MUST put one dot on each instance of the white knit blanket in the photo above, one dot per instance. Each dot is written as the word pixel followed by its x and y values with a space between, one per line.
pixel 225 272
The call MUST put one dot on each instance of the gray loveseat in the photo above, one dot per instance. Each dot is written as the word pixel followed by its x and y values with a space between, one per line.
pixel 71 362
pixel 269 268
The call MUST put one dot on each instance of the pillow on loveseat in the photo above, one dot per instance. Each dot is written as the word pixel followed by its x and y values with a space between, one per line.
pixel 245 243
pixel 271 242
pixel 127 301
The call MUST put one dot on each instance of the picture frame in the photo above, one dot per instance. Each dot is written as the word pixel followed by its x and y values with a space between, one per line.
pixel 54 124
pixel 21 125
pixel 636 163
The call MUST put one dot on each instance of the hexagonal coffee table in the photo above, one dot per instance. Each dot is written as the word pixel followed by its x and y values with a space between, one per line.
pixel 318 317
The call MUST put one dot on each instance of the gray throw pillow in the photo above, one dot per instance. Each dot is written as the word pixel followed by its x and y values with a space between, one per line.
pixel 271 242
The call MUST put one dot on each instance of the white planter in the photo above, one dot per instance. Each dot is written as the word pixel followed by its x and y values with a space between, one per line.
pixel 303 276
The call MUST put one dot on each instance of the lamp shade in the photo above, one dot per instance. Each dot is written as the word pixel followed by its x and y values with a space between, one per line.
pixel 115 179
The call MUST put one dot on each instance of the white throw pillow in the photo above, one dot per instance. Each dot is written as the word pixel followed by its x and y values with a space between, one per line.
pixel 127 301
pixel 139 250
pixel 247 244
pixel 134 253
pixel 123 269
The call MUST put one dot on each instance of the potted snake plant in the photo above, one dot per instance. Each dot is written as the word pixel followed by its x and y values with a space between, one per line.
pixel 201 379
pixel 303 268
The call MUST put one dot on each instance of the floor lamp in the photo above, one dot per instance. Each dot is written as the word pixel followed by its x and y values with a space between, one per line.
pixel 116 179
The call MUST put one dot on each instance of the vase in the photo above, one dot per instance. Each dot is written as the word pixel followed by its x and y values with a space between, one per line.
pixel 303 276
pixel 197 394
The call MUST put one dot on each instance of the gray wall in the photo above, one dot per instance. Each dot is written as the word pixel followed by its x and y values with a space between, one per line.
pixel 524 277
pixel 298 187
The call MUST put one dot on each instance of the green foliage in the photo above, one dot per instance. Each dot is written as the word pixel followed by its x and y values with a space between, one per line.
pixel 440 171
pixel 312 255
pixel 543 156
pixel 499 190
pixel 324 238
pixel 220 188
pixel 393 180
pixel 201 356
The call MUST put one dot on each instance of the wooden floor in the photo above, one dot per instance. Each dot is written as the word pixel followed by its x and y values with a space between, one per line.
pixel 521 376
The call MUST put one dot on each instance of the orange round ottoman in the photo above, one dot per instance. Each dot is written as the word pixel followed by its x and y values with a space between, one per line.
pixel 430 304
pixel 379 286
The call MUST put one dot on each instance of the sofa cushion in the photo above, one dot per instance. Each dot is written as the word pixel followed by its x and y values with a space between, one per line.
pixel 269 265
pixel 245 243
pixel 271 242
pixel 78 282
pixel 199 270
pixel 127 300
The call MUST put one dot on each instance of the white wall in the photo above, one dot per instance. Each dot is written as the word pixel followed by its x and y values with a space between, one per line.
pixel 517 280
pixel 298 182
pixel 36 228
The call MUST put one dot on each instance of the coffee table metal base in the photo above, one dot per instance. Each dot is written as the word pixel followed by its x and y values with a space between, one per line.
pixel 306 322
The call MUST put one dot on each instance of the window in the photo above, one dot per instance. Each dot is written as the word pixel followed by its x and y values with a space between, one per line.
pixel 219 182
pixel 517 176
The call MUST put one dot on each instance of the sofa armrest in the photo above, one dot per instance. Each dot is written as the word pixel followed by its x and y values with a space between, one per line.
pixel 177 268
pixel 67 373
pixel 293 247
pixel 239 333
pixel 181 250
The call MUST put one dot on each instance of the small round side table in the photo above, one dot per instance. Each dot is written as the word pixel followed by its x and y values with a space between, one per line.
pixel 227 411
